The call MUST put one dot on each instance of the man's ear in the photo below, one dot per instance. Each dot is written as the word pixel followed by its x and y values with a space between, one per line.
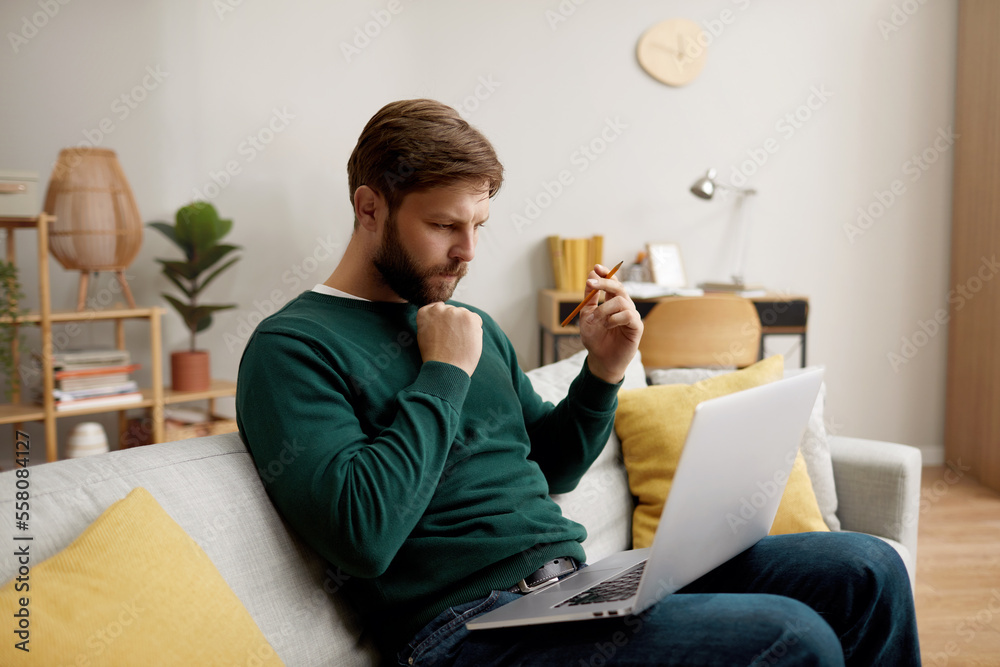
pixel 369 208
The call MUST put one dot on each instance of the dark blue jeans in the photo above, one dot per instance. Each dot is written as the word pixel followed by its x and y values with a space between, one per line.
pixel 808 599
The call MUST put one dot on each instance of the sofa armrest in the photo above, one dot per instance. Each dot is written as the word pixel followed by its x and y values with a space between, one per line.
pixel 878 488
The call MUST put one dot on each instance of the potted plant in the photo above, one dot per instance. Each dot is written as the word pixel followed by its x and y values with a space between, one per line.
pixel 10 298
pixel 196 231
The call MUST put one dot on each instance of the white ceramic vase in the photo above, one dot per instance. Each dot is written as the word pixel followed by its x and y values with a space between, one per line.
pixel 86 439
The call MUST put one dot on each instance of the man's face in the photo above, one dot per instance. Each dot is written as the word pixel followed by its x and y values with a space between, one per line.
pixel 428 242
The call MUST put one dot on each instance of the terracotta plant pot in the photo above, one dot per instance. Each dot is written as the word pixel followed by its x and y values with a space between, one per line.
pixel 189 371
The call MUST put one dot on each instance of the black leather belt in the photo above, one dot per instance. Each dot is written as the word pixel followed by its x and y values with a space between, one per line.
pixel 546 574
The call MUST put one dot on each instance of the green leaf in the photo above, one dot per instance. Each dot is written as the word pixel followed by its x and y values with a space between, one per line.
pixel 219 270
pixel 169 273
pixel 200 317
pixel 223 227
pixel 182 228
pixel 200 227
pixel 167 230
pixel 179 268
pixel 205 260
pixel 182 309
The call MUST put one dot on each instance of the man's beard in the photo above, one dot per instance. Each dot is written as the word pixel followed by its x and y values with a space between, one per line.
pixel 400 271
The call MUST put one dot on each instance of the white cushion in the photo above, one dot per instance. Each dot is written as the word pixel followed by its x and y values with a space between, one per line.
pixel 814 446
pixel 601 501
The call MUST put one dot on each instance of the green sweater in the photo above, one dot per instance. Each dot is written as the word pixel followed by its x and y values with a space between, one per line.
pixel 425 488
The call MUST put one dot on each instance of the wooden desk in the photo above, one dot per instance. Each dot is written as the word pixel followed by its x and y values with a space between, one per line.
pixel 780 314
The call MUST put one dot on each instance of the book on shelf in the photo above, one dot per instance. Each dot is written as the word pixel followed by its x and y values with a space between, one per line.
pixel 107 390
pixel 573 259
pixel 96 371
pixel 734 288
pixel 92 377
pixel 99 401
pixel 91 381
pixel 90 358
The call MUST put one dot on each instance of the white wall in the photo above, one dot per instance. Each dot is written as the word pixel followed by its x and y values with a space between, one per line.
pixel 552 87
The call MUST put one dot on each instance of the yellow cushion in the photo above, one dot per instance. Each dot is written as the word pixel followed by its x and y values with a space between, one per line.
pixel 132 589
pixel 653 423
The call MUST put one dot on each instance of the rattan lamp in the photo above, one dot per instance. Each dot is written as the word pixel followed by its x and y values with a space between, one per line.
pixel 97 226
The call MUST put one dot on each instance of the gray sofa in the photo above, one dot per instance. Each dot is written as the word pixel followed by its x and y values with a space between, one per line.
pixel 211 488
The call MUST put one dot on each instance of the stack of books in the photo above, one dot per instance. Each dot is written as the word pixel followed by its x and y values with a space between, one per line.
pixel 573 259
pixel 739 289
pixel 97 377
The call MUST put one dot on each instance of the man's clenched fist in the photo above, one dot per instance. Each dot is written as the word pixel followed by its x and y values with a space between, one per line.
pixel 450 334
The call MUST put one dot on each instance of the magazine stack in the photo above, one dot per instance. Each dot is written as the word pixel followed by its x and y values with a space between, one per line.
pixel 97 378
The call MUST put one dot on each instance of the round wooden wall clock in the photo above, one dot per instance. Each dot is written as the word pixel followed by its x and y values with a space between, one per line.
pixel 673 51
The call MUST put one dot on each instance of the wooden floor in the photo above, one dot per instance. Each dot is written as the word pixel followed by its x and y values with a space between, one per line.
pixel 958 570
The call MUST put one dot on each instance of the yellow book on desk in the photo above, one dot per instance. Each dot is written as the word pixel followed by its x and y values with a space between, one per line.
pixel 555 255
pixel 597 250
pixel 570 249
pixel 584 263
pixel 572 260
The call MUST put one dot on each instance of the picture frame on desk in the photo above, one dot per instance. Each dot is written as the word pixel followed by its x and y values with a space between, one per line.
pixel 665 265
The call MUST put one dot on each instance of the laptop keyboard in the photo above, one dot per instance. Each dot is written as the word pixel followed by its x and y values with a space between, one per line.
pixel 620 587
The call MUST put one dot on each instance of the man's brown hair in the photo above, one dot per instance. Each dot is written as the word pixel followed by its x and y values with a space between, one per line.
pixel 414 145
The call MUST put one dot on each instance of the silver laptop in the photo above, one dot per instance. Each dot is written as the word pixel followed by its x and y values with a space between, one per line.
pixel 732 472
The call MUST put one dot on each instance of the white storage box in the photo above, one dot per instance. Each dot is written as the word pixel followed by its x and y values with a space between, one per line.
pixel 19 194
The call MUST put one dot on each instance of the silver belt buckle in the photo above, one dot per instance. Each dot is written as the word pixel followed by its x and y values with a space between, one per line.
pixel 524 587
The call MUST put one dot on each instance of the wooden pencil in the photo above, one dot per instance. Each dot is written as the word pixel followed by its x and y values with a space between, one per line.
pixel 590 296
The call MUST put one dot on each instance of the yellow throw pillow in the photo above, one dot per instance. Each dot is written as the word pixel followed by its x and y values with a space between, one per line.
pixel 132 589
pixel 653 423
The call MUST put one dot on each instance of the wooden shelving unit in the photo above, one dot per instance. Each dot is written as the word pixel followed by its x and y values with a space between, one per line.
pixel 153 398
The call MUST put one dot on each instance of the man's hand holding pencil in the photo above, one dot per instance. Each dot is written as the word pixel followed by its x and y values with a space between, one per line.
pixel 611 330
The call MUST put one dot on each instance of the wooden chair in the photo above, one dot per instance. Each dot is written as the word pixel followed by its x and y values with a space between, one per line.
pixel 712 330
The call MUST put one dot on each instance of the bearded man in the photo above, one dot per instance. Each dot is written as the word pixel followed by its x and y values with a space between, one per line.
pixel 424 461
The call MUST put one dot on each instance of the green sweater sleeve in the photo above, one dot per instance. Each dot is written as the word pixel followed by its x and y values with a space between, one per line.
pixel 358 495
pixel 566 438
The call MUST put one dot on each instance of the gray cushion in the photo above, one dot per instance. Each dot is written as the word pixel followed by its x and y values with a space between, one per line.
pixel 211 488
